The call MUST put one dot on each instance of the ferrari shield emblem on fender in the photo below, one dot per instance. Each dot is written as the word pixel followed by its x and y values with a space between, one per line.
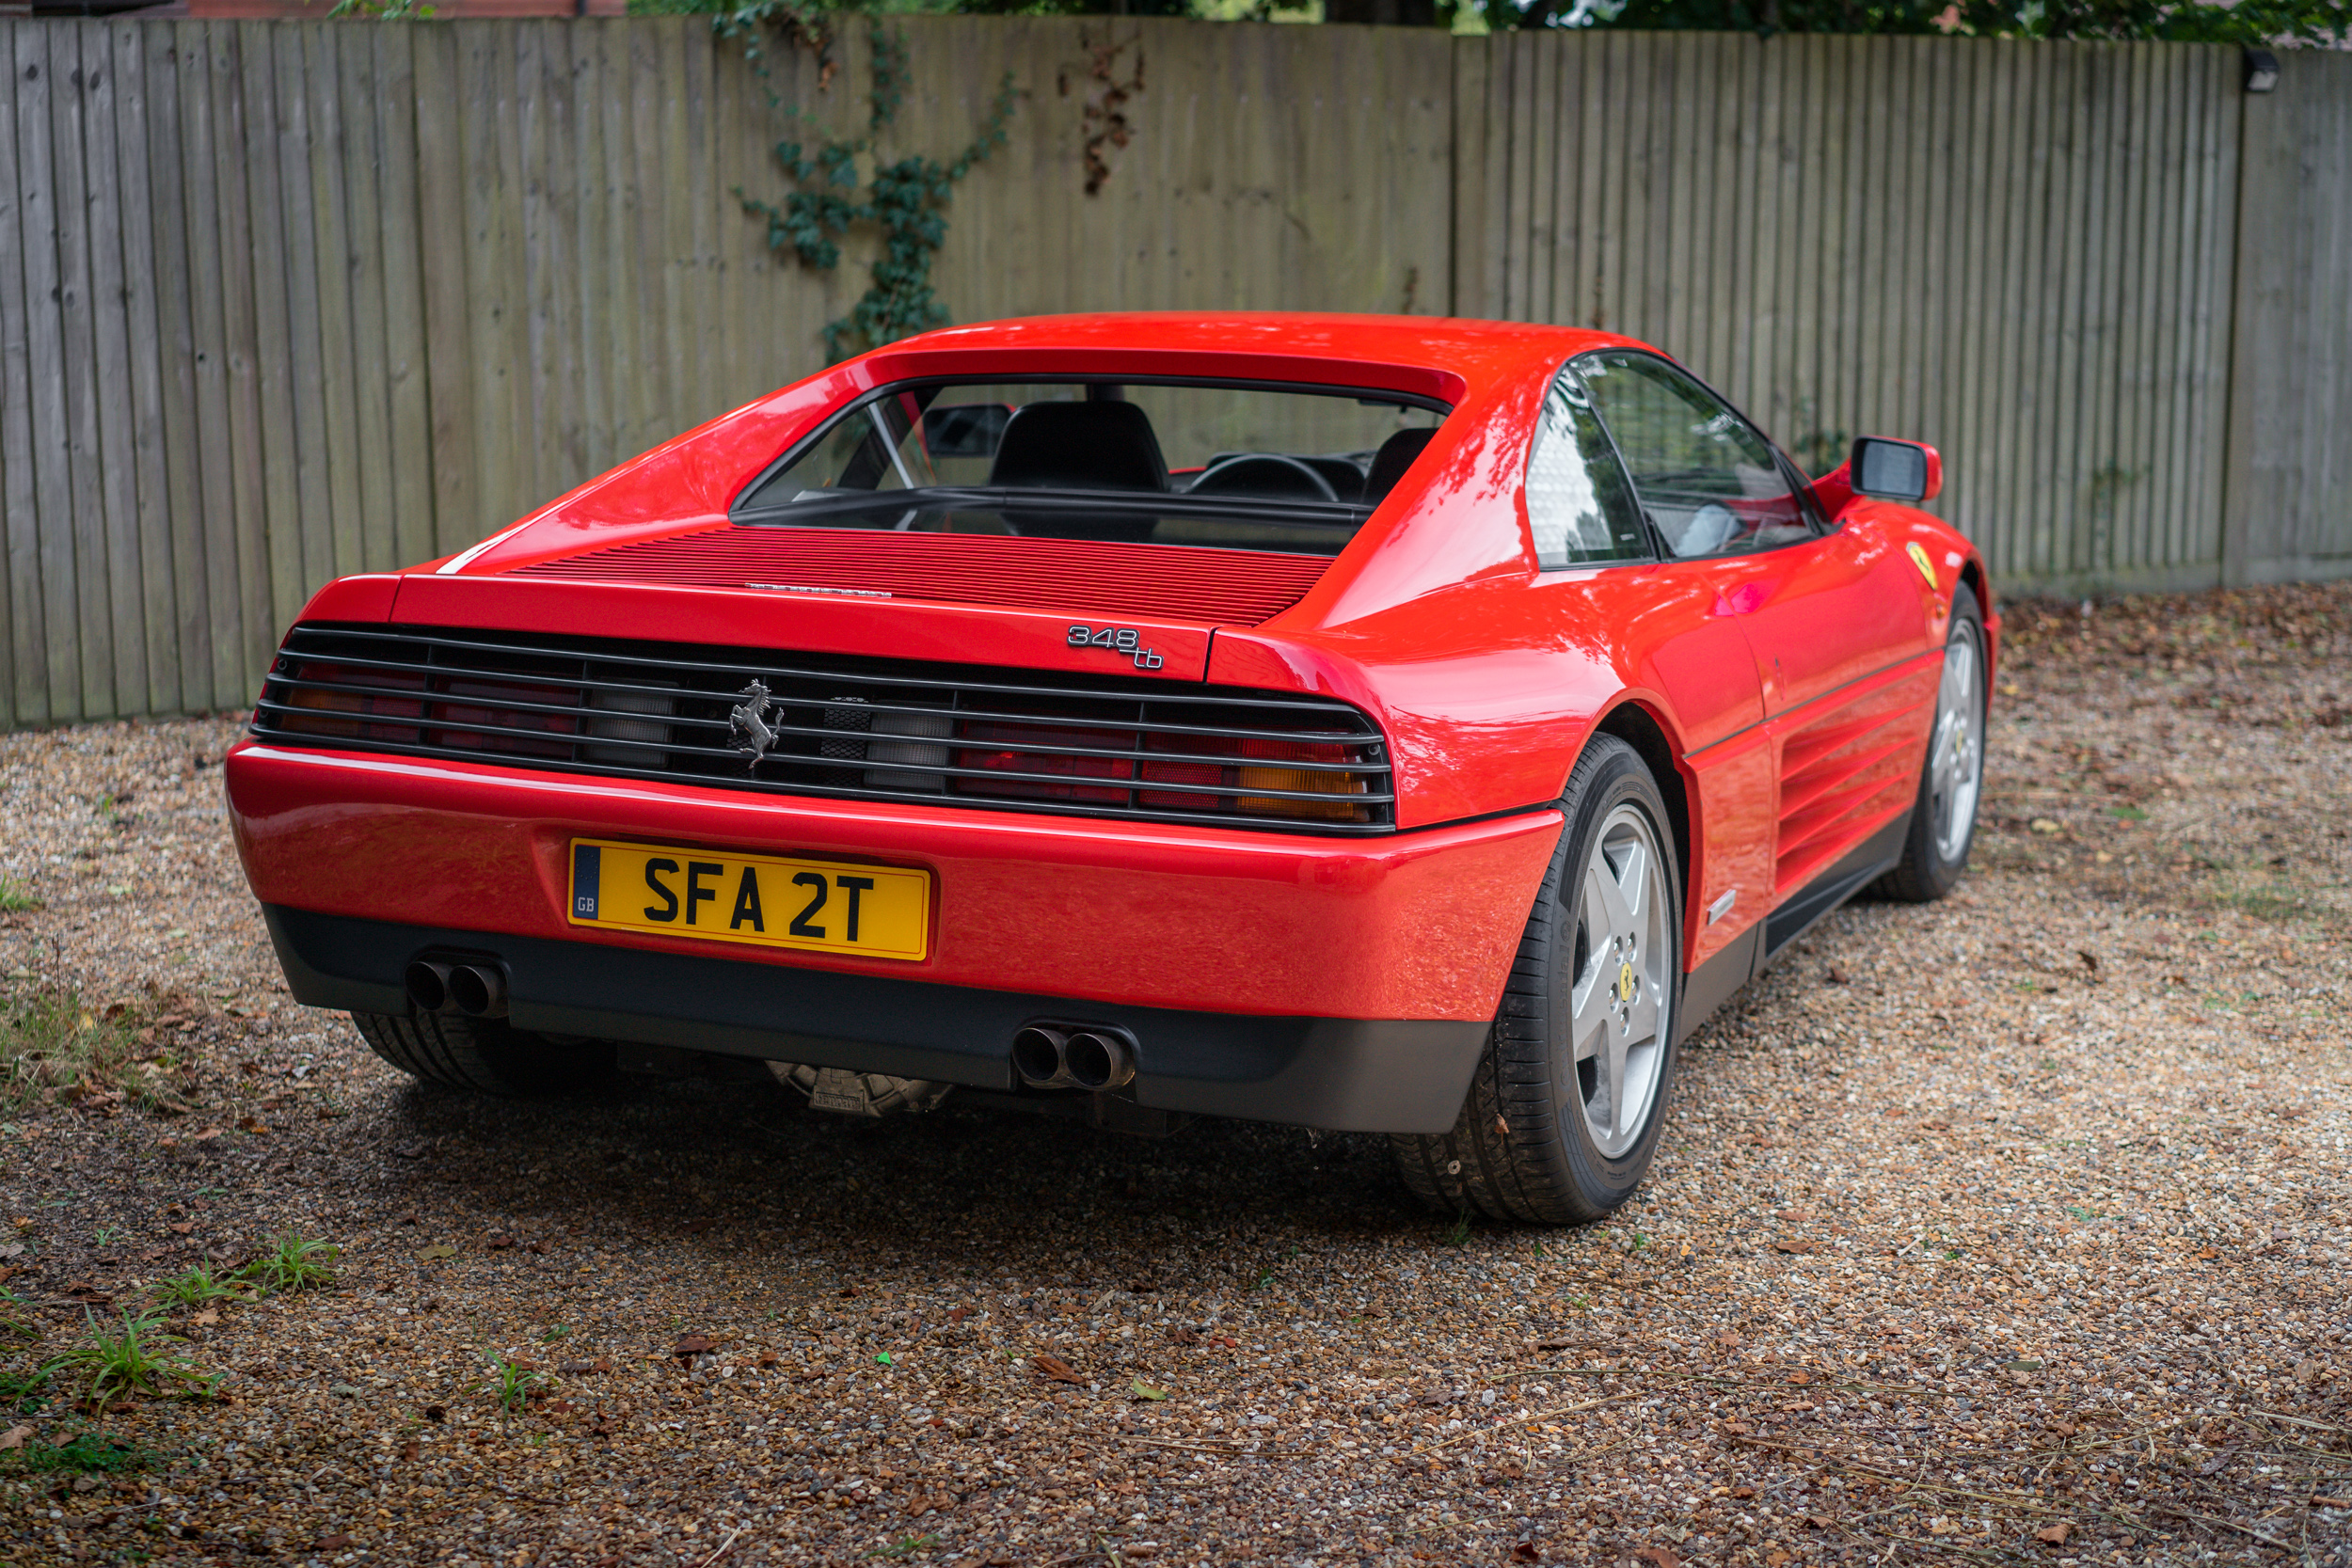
pixel 1927 567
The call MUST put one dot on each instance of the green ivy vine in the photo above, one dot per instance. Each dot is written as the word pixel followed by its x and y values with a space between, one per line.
pixel 907 201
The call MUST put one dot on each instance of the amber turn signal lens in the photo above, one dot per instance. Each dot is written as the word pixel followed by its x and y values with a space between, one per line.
pixel 1299 780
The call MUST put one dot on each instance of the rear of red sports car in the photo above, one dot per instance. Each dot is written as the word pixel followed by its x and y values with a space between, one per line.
pixel 885 732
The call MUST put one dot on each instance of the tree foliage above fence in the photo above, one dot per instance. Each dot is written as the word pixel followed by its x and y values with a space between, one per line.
pixel 2249 22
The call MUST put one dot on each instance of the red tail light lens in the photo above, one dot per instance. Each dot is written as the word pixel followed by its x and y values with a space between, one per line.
pixel 1005 752
pixel 318 703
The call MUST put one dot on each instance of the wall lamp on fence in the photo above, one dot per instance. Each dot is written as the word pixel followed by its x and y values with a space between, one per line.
pixel 2262 71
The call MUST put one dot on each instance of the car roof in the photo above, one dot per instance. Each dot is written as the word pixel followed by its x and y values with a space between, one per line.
pixel 1274 344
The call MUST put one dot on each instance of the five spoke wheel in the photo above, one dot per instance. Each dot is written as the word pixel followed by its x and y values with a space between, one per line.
pixel 1622 994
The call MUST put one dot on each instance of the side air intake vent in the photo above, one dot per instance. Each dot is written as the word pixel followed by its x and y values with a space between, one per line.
pixel 813 724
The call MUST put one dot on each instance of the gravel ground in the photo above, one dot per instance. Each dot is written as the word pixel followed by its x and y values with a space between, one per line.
pixel 2013 1229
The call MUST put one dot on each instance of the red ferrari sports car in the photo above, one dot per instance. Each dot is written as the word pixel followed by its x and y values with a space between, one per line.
pixel 1390 724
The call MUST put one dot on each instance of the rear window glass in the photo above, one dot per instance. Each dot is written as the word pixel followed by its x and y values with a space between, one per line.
pixel 1243 467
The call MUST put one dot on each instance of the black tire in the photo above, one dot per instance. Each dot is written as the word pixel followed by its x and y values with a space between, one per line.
pixel 486 1055
pixel 1524 1149
pixel 1931 864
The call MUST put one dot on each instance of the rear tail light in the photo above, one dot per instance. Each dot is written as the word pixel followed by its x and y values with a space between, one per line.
pixel 909 755
pixel 320 690
pixel 1007 754
pixel 1297 780
pixel 1021 740
pixel 1235 780
pixel 630 742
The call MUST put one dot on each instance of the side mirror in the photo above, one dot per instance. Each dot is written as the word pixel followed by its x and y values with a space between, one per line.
pixel 1895 470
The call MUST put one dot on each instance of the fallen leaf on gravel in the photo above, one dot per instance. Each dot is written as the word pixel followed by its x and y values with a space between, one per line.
pixel 1659 1557
pixel 207 1135
pixel 693 1345
pixel 539 1247
pixel 437 1413
pixel 1144 1391
pixel 1140 1549
pixel 2056 1534
pixel 184 1228
pixel 1788 1245
pixel 14 1438
pixel 434 1254
pixel 498 1242
pixel 89 1295
pixel 332 1544
pixel 580 1368
pixel 957 1314
pixel 1183 1336
pixel 205 1320
pixel 1744 1492
pixel 253 1125
pixel 1816 1521
pixel 409 1151
pixel 2043 825
pixel 1526 1551
pixel 1056 1368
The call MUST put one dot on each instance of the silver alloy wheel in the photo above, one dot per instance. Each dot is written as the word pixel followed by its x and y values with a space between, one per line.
pixel 1956 757
pixel 1622 999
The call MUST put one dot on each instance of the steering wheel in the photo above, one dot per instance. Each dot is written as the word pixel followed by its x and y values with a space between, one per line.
pixel 1265 473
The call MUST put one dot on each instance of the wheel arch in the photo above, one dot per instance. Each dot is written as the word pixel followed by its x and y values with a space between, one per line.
pixel 1631 722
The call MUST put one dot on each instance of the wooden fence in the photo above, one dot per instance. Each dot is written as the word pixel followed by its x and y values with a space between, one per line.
pixel 279 301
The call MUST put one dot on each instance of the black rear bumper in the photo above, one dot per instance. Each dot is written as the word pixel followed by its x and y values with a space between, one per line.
pixel 1381 1075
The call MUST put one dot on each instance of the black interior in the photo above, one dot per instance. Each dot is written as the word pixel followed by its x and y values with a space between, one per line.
pixel 1079 445
pixel 1389 464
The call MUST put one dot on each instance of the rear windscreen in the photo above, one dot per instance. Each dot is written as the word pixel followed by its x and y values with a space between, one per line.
pixel 1243 467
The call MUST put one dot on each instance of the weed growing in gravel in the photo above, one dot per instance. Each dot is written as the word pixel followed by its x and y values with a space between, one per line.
pixel 50 1044
pixel 293 1262
pixel 84 1452
pixel 511 1383
pixel 21 1393
pixel 132 1362
pixel 13 1323
pixel 15 898
pixel 198 1286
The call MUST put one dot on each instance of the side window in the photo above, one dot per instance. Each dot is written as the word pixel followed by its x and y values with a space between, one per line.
pixel 1707 480
pixel 1578 506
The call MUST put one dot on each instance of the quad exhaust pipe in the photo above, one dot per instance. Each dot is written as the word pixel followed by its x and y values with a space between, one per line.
pixel 1091 1056
pixel 473 988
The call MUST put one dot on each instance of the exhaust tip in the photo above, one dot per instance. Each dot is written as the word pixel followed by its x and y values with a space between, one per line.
pixel 1098 1059
pixel 478 991
pixel 428 985
pixel 1036 1057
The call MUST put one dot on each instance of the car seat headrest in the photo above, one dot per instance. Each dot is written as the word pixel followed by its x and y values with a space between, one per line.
pixel 1079 445
pixel 1389 464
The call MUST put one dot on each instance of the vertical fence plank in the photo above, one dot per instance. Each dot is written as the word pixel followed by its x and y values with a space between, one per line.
pixel 158 679
pixel 111 563
pixel 179 493
pixel 25 693
pixel 51 521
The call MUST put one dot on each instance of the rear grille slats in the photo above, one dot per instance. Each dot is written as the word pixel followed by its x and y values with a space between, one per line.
pixel 856 728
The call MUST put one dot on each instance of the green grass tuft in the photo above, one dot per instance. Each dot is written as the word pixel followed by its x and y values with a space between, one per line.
pixel 84 1453
pixel 200 1285
pixel 293 1262
pixel 132 1360
pixel 511 1383
pixel 15 898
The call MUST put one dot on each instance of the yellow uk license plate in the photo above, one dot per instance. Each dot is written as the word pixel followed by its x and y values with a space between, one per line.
pixel 875 911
